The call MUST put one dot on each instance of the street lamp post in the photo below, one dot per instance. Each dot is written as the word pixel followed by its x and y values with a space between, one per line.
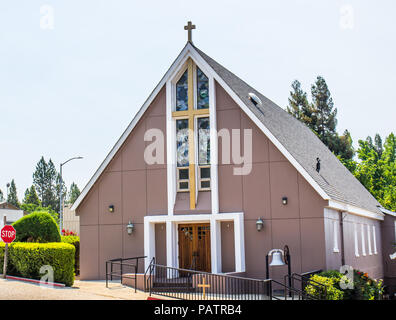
pixel 60 194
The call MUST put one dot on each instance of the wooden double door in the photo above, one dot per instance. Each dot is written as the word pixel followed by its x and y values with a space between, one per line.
pixel 194 246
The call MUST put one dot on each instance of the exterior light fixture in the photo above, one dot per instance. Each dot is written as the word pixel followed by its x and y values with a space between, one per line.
pixel 130 227
pixel 111 208
pixel 284 200
pixel 259 224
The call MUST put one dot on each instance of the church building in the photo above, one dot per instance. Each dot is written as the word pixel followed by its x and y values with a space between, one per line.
pixel 212 175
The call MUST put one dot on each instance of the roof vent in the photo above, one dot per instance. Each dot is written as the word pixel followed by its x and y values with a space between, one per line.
pixel 317 165
pixel 256 100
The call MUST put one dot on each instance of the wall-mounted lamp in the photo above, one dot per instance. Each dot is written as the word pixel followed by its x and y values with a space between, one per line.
pixel 130 227
pixel 284 200
pixel 259 224
pixel 111 208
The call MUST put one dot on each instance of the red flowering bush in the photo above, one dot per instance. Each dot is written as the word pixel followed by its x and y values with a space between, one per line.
pixel 68 233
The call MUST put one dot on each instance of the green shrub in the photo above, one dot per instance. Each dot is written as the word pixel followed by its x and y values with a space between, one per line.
pixel 318 291
pixel 364 288
pixel 37 227
pixel 26 259
pixel 75 241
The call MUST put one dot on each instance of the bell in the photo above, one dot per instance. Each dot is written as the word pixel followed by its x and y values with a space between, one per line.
pixel 277 259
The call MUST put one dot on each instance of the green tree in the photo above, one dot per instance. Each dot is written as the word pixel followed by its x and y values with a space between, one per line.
pixel 12 195
pixel 324 115
pixel 31 197
pixel 321 117
pixel 299 106
pixel 376 169
pixel 1 196
pixel 44 180
pixel 73 193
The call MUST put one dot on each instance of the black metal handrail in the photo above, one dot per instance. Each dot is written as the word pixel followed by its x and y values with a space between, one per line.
pixel 189 284
pixel 304 280
pixel 290 293
pixel 120 272
pixel 152 262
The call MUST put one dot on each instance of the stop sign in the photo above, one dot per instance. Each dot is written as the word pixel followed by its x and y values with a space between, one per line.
pixel 8 234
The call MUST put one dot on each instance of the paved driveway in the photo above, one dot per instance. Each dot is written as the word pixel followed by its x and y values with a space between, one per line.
pixel 81 290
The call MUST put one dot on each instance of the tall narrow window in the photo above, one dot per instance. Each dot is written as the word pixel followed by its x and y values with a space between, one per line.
pixel 182 154
pixel 204 153
pixel 202 90
pixel 335 235
pixel 356 241
pixel 363 240
pixel 182 93
pixel 369 240
pixel 374 241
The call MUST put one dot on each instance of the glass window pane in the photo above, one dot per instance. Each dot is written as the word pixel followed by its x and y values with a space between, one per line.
pixel 183 185
pixel 183 174
pixel 182 93
pixel 205 184
pixel 205 173
pixel 182 142
pixel 203 141
pixel 202 90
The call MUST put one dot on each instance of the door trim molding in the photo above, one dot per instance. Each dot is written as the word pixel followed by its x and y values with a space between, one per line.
pixel 215 237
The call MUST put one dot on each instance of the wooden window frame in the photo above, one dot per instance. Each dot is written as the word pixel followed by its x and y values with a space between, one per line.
pixel 182 180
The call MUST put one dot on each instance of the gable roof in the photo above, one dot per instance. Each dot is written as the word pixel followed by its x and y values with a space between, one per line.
pixel 334 182
pixel 334 178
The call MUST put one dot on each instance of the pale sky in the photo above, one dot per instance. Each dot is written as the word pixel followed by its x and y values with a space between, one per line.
pixel 73 89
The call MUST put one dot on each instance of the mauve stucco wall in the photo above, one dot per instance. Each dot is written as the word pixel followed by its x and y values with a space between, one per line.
pixel 389 247
pixel 299 224
pixel 134 188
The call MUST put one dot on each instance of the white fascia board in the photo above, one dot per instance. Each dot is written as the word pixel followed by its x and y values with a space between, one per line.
pixel 386 211
pixel 193 218
pixel 354 210
pixel 129 129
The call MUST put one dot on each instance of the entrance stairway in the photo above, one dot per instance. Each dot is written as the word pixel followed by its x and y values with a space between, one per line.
pixel 173 285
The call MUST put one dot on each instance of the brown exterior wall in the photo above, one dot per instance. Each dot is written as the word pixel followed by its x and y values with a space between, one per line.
pixel 134 188
pixel 299 224
pixel 370 263
pixel 389 247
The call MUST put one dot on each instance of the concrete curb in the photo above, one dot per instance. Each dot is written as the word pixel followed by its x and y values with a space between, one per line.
pixel 55 284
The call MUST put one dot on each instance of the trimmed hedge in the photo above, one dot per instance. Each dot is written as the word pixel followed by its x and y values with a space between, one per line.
pixel 37 227
pixel 75 241
pixel 26 259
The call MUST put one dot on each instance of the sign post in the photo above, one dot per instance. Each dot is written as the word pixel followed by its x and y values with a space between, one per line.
pixel 8 234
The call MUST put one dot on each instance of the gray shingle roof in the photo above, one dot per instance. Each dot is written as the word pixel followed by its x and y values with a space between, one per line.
pixel 334 178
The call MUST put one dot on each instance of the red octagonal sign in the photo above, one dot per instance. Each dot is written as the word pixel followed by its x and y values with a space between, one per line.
pixel 8 234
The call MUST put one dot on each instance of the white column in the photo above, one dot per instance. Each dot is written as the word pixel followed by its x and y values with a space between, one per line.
pixel 239 238
pixel 170 150
pixel 149 242
pixel 215 245
pixel 213 147
pixel 171 252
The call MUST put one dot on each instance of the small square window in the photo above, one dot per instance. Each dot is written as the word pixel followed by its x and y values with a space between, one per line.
pixel 183 185
pixel 183 174
pixel 205 173
pixel 205 184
